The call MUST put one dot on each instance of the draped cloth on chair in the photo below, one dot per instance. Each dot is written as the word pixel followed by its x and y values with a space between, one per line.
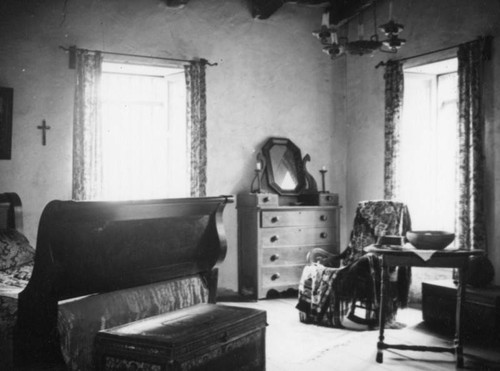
pixel 197 121
pixel 87 154
pixel 470 230
pixel 327 293
pixel 394 90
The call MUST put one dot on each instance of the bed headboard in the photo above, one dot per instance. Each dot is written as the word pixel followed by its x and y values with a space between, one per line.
pixel 11 214
pixel 95 247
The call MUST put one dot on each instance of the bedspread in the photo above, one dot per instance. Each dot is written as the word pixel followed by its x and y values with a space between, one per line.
pixel 12 282
pixel 15 277
pixel 79 320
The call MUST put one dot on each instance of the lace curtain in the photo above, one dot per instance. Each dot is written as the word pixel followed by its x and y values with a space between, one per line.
pixel 87 150
pixel 394 89
pixel 197 130
pixel 470 227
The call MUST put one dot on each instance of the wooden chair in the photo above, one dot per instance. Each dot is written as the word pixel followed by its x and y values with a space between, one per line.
pixel 333 286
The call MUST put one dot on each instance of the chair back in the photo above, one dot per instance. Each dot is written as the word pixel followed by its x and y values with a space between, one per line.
pixel 374 219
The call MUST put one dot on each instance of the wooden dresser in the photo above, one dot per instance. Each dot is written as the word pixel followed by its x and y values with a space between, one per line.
pixel 274 239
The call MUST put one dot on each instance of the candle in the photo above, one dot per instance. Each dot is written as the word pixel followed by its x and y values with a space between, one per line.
pixel 325 19
pixel 258 166
pixel 323 173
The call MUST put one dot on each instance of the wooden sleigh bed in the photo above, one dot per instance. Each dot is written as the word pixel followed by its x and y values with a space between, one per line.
pixel 98 265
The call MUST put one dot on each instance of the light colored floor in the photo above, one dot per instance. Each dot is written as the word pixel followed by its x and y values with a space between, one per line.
pixel 292 345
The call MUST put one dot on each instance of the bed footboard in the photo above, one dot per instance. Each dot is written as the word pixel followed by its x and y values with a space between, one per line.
pixel 86 248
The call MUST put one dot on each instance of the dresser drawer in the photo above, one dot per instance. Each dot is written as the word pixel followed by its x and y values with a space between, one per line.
pixel 280 276
pixel 275 235
pixel 274 256
pixel 297 236
pixel 278 218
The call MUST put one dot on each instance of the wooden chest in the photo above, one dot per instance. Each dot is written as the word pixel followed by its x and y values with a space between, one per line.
pixel 274 240
pixel 481 313
pixel 203 337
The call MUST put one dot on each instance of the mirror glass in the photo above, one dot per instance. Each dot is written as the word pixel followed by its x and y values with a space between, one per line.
pixel 284 166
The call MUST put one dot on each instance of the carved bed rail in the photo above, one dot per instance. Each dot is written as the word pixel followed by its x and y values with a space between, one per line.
pixel 11 214
pixel 86 248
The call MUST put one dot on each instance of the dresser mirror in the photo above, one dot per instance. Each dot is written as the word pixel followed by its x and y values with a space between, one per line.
pixel 284 166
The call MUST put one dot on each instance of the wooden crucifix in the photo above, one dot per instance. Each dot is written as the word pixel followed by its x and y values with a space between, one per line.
pixel 44 129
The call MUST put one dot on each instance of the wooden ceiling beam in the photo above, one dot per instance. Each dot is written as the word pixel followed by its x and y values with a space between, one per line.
pixel 176 3
pixel 341 10
pixel 263 9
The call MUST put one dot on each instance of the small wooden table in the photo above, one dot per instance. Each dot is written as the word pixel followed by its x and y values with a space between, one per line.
pixel 440 259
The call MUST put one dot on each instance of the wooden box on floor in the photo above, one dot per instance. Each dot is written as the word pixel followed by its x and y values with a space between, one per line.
pixel 481 314
pixel 202 337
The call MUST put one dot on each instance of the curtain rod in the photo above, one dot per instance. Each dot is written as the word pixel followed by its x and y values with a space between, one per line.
pixel 73 49
pixel 486 52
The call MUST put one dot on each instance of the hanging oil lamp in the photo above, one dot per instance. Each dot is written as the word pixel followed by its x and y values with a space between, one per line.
pixel 361 46
pixel 391 30
pixel 324 32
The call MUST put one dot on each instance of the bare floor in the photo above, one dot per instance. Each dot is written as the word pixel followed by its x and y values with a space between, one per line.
pixel 292 345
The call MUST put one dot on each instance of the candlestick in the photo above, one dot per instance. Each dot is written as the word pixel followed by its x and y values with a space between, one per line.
pixel 257 179
pixel 323 172
pixel 260 165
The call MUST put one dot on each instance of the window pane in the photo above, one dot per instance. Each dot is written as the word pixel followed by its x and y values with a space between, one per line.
pixel 428 150
pixel 143 134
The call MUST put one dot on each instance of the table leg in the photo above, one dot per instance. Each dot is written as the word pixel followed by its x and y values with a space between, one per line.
pixel 381 319
pixel 458 318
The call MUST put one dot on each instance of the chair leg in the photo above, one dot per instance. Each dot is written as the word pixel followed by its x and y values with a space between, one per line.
pixel 368 308
pixel 371 315
pixel 305 318
pixel 367 321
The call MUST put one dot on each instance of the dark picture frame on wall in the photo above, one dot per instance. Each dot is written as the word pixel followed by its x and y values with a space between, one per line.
pixel 6 101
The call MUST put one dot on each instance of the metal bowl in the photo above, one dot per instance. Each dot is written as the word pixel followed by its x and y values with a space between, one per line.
pixel 430 240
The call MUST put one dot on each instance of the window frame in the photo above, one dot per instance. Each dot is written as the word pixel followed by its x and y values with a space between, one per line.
pixel 176 176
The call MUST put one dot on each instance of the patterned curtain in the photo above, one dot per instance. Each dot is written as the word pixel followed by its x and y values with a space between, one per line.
pixel 394 89
pixel 197 130
pixel 470 204
pixel 86 139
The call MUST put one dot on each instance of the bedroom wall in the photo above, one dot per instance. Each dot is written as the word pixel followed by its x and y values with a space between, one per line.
pixel 271 80
pixel 429 25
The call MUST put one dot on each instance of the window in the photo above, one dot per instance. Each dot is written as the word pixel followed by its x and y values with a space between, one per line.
pixel 143 131
pixel 429 145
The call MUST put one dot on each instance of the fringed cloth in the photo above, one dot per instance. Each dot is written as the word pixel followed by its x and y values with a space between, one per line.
pixel 327 295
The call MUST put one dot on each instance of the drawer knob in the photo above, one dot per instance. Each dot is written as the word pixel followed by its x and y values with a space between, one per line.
pixel 275 238
pixel 275 219
pixel 274 257
pixel 323 218
pixel 329 198
pixel 275 276
pixel 323 235
pixel 265 199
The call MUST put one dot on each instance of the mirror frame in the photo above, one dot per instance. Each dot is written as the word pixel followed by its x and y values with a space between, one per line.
pixel 301 177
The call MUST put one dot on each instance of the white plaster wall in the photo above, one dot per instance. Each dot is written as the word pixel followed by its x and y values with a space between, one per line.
pixel 271 80
pixel 429 25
